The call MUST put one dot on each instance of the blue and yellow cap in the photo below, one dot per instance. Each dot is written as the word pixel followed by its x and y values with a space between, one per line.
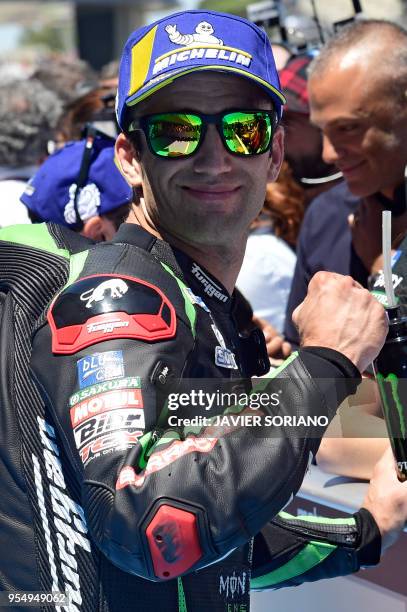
pixel 185 42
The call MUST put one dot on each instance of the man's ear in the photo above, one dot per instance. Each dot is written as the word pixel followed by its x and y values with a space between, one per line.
pixel 128 161
pixel 99 229
pixel 277 155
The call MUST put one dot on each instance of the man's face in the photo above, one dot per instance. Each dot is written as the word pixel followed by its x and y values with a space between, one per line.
pixel 303 146
pixel 364 133
pixel 211 197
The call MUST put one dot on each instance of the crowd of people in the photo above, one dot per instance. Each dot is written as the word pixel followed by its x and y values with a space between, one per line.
pixel 167 246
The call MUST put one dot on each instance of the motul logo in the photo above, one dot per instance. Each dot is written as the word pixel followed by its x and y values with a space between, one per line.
pixel 128 398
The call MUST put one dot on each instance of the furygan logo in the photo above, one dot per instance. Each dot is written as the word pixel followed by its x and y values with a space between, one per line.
pixel 106 327
pixel 66 520
pixel 113 288
pixel 211 288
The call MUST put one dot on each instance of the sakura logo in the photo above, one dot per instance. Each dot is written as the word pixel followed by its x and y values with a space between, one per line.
pixel 203 34
pixel 115 288
pixel 88 203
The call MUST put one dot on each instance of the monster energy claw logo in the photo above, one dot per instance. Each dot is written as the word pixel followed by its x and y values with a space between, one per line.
pixel 392 400
pixel 232 585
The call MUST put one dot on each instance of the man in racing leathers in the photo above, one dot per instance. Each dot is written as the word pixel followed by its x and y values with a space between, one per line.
pixel 101 498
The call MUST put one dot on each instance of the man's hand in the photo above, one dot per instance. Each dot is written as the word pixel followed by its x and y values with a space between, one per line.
pixel 340 314
pixel 277 347
pixel 386 499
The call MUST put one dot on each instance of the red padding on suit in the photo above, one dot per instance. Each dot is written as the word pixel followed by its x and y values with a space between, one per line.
pixel 173 541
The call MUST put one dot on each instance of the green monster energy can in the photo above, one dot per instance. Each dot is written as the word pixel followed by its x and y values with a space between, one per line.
pixel 391 374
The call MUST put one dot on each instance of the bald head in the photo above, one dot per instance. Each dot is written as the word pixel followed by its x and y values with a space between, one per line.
pixel 357 90
pixel 378 48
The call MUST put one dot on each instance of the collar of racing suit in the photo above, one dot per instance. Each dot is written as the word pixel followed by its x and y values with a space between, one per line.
pixel 195 275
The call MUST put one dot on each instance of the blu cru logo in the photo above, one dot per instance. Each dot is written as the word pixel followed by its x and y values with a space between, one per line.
pixel 99 367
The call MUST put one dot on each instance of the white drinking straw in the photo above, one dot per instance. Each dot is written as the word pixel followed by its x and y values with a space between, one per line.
pixel 386 238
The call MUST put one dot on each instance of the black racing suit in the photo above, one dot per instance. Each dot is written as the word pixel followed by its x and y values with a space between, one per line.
pixel 106 498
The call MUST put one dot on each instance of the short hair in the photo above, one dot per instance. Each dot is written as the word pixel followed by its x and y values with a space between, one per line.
pixel 393 67
pixel 28 115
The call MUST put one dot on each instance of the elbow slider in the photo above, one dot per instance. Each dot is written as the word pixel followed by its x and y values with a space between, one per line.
pixel 172 537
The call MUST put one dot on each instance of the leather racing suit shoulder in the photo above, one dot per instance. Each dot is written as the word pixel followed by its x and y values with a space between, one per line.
pixel 160 500
pixel 182 515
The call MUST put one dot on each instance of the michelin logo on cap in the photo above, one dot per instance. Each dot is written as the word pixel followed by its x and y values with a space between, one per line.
pixel 203 34
pixel 202 45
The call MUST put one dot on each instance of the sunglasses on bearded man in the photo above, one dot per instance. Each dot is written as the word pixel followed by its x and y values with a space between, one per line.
pixel 180 134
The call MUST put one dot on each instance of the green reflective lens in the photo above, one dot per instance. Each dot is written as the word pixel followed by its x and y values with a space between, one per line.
pixel 247 133
pixel 180 134
pixel 174 134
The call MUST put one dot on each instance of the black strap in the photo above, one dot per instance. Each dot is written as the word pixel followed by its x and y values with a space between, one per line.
pixel 84 172
pixel 90 133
